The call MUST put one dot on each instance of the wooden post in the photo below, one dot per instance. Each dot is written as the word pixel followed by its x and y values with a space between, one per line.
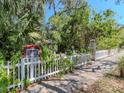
pixel 93 50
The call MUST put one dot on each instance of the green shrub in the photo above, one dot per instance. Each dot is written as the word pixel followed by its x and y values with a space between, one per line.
pixel 121 67
pixel 26 83
pixel 121 62
pixel 4 79
pixel 67 65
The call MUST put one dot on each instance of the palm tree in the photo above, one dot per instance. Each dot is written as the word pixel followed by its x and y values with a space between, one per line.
pixel 19 20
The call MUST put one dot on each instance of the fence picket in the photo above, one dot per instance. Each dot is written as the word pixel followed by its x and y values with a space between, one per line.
pixel 28 72
pixel 35 72
pixel 39 69
pixel 22 73
pixel 18 74
pixel 42 69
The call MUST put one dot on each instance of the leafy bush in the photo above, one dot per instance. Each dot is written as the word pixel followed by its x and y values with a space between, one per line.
pixel 15 58
pixel 26 83
pixel 107 42
pixel 67 65
pixel 47 54
pixel 121 62
pixel 121 67
pixel 4 79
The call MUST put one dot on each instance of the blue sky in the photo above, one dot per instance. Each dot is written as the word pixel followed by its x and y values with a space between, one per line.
pixel 50 12
pixel 99 6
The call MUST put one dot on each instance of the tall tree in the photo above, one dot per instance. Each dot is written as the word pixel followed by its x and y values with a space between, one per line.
pixel 78 25
pixel 19 20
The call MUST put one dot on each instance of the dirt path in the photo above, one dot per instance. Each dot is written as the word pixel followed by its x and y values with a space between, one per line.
pixel 79 80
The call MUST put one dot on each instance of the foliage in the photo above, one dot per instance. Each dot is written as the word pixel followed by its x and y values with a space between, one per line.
pixel 70 29
pixel 19 20
pixel 26 82
pixel 1 58
pixel 80 25
pixel 16 58
pixel 4 79
pixel 56 36
pixel 47 54
pixel 105 30
pixel 121 67
pixel 121 30
pixel 67 65
pixel 121 62
pixel 109 42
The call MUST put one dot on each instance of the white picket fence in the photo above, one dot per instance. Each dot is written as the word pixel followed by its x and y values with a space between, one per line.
pixel 105 53
pixel 32 69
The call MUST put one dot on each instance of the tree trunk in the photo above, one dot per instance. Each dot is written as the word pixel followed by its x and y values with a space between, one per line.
pixel 122 72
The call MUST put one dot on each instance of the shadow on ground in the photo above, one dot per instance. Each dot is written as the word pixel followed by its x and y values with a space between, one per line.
pixel 70 87
pixel 53 88
pixel 74 81
pixel 103 65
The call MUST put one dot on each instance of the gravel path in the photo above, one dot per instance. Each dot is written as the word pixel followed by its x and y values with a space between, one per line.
pixel 79 80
